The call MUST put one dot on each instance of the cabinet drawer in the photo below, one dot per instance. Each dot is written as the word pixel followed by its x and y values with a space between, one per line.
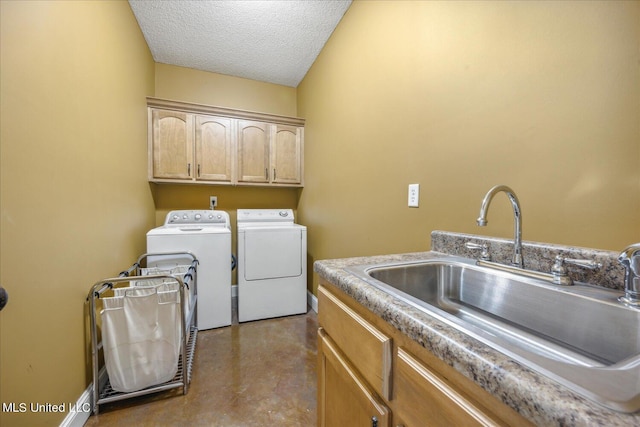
pixel 344 398
pixel 421 394
pixel 363 344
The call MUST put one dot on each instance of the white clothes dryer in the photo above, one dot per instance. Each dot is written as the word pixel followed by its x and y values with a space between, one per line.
pixel 207 235
pixel 272 264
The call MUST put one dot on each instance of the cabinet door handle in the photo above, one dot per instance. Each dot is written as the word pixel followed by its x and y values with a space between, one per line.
pixel 188 169
pixel 374 421
pixel 266 173
pixel 274 174
pixel 198 170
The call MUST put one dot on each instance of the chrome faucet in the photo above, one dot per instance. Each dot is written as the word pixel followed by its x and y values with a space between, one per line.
pixel 630 258
pixel 517 216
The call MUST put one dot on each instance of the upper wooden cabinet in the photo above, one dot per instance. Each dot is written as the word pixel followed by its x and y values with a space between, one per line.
pixel 213 145
pixel 172 148
pixel 253 151
pixel 269 153
pixel 287 154
pixel 213 148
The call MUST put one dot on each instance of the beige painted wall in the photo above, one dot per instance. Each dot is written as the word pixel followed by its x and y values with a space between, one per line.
pixel 75 203
pixel 460 96
pixel 189 85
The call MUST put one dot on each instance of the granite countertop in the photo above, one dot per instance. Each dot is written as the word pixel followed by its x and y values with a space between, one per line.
pixel 535 396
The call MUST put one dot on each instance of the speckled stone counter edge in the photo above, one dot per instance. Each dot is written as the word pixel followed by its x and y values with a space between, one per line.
pixel 535 396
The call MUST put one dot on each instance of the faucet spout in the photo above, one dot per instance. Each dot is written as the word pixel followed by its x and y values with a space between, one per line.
pixel 630 259
pixel 517 217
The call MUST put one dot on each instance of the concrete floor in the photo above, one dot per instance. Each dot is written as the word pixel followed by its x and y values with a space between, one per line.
pixel 260 373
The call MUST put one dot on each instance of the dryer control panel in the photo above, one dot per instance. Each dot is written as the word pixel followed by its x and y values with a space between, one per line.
pixel 246 216
pixel 203 216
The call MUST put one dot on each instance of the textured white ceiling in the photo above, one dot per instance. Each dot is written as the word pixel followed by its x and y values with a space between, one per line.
pixel 271 41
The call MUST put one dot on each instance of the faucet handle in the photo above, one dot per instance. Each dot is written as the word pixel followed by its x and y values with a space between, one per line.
pixel 584 263
pixel 630 259
pixel 559 265
pixel 559 269
pixel 484 247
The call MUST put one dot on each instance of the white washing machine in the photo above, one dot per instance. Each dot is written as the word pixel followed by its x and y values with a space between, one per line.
pixel 207 235
pixel 272 264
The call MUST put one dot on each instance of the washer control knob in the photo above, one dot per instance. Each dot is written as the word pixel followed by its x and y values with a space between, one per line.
pixel 197 217
pixel 175 217
pixel 284 214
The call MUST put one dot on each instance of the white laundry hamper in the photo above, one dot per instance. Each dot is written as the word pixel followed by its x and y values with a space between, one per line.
pixel 142 336
pixel 169 284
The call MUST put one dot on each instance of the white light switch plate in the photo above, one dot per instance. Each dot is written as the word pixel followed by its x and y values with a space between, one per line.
pixel 414 195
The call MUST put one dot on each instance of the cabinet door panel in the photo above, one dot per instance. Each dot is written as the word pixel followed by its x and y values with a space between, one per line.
pixel 286 154
pixel 253 151
pixel 423 398
pixel 172 142
pixel 367 347
pixel 213 148
pixel 344 397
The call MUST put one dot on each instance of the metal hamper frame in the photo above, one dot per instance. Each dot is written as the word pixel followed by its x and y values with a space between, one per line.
pixel 102 391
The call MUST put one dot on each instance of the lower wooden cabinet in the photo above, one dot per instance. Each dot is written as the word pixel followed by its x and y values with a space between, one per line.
pixel 362 343
pixel 424 398
pixel 344 398
pixel 370 374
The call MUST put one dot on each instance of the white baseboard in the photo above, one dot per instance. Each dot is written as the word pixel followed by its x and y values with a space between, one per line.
pixel 312 300
pixel 79 414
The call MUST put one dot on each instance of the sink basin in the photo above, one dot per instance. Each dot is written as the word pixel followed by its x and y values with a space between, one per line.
pixel 580 335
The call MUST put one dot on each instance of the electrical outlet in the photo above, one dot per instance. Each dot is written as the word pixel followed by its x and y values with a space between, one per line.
pixel 213 202
pixel 414 195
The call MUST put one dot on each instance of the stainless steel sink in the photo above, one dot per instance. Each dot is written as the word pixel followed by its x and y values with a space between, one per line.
pixel 580 335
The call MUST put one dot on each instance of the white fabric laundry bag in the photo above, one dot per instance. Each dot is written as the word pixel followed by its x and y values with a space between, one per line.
pixel 141 335
pixel 161 285
pixel 177 270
